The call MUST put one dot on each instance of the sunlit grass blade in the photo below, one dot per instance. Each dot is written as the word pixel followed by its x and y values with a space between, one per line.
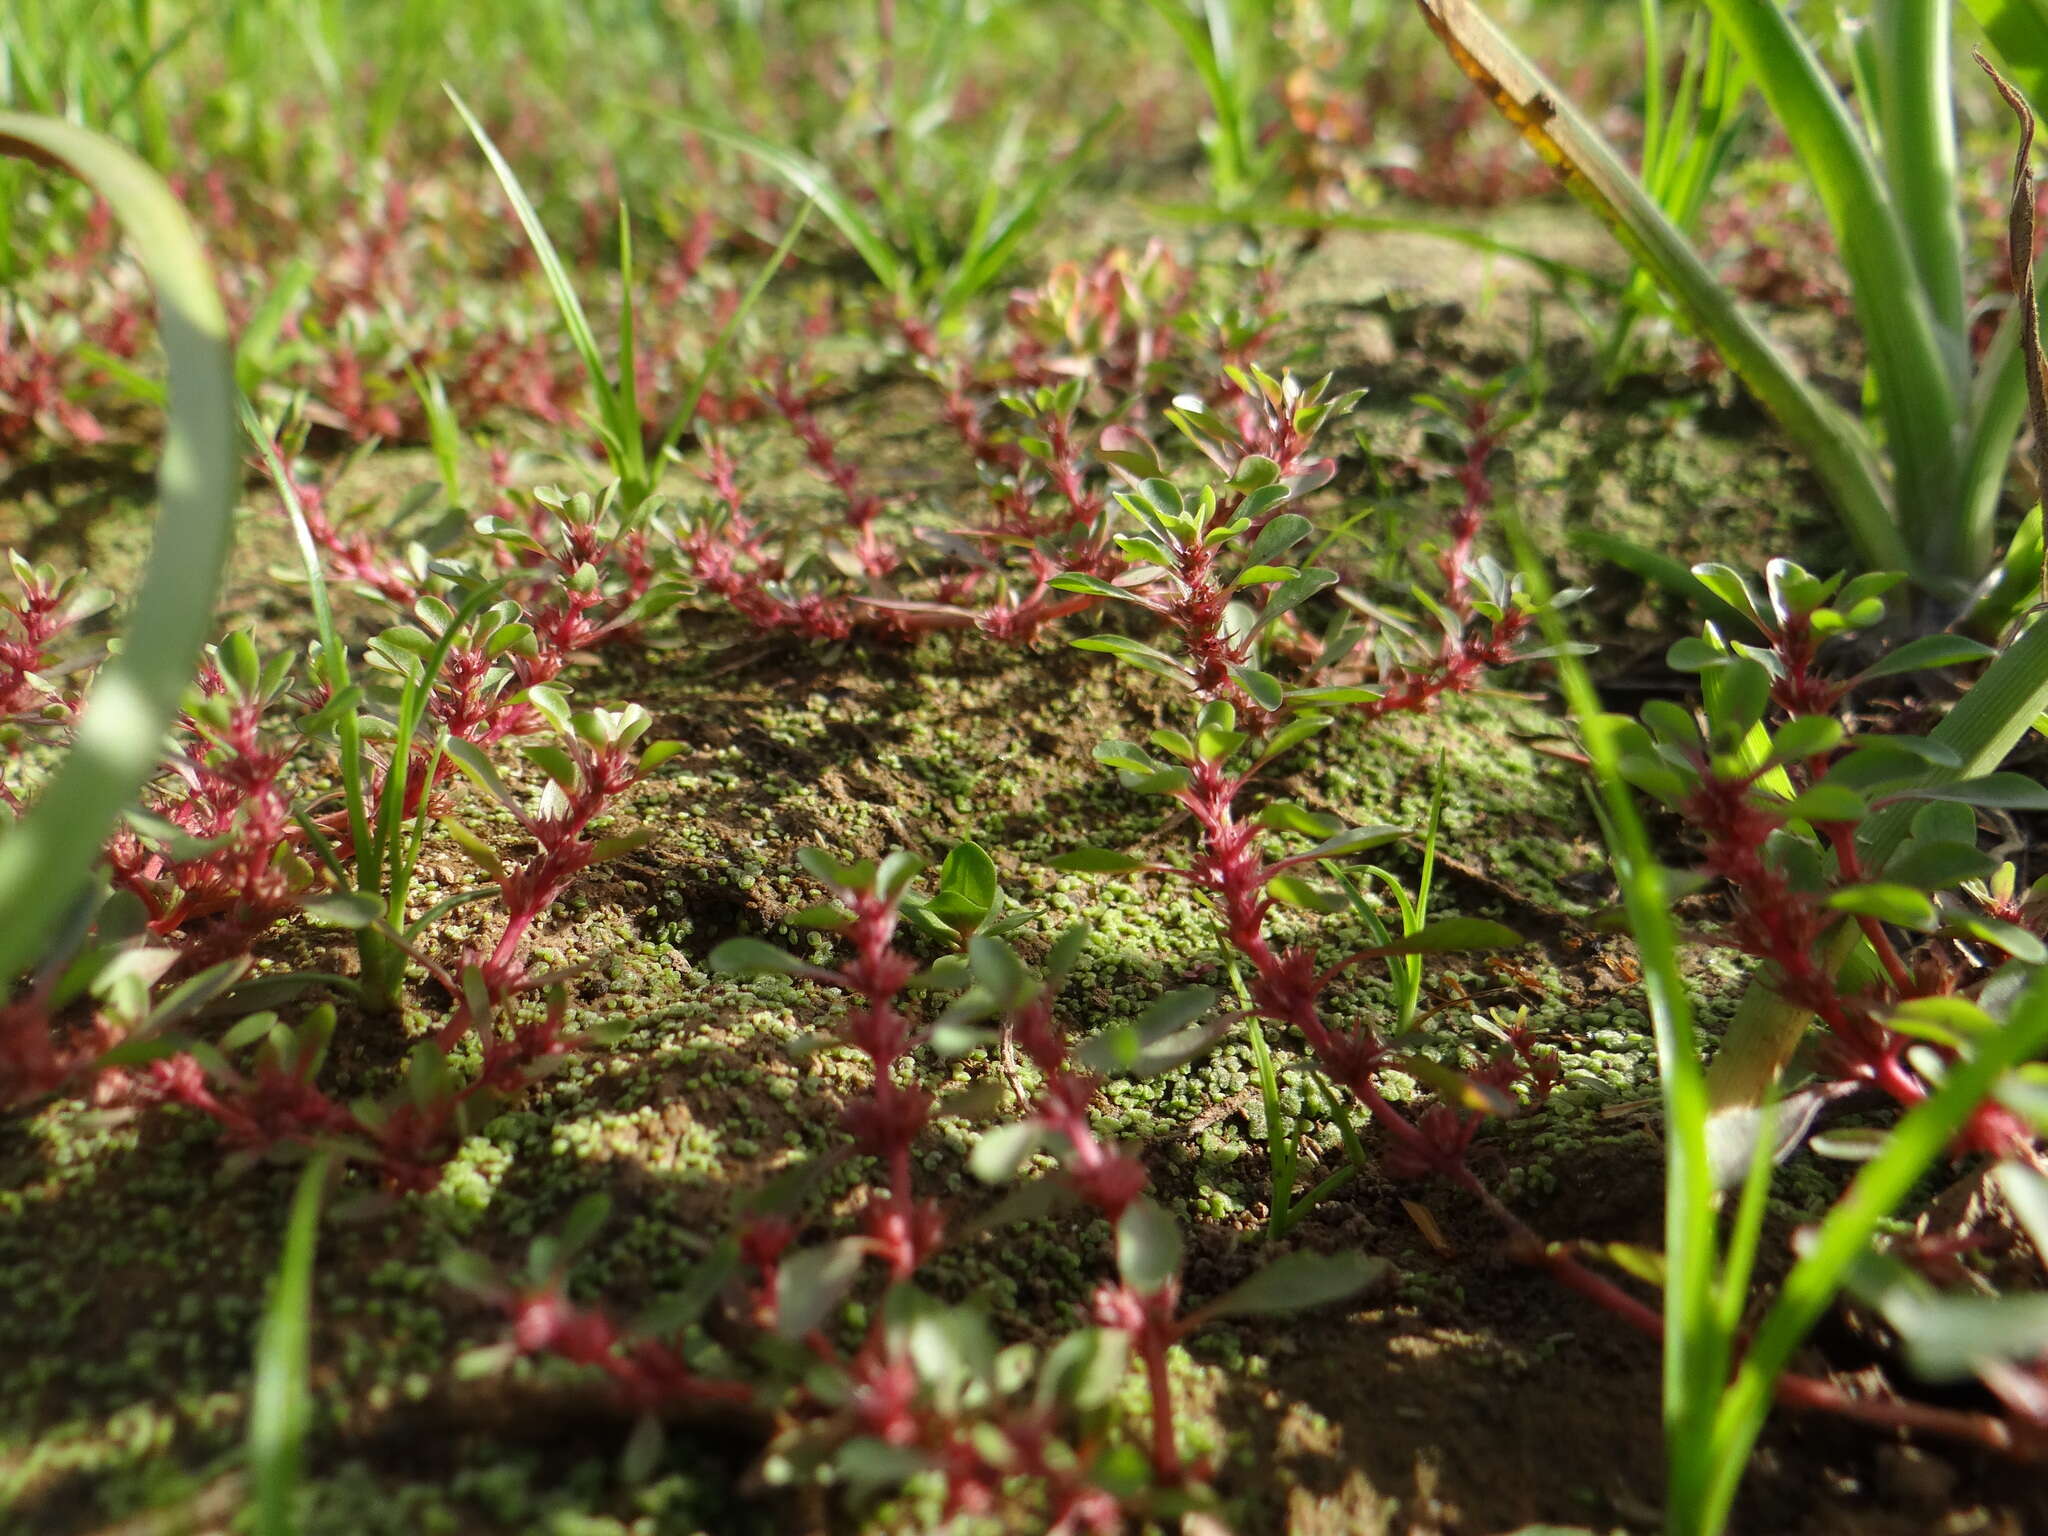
pixel 617 399
pixel 48 855
pixel 1917 135
pixel 995 244
pixel 1840 451
pixel 1914 1146
pixel 686 411
pixel 1207 34
pixel 1695 1347
pixel 1918 381
pixel 279 1401
pixel 333 653
pixel 813 182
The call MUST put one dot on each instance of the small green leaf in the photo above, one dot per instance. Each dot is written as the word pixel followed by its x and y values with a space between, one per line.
pixel 1297 892
pixel 2006 791
pixel 343 909
pixel 1262 688
pixel 1299 1280
pixel 1899 904
pixel 969 877
pixel 1091 586
pixel 753 956
pixel 1002 1150
pixel 1935 866
pixel 1927 653
pixel 1825 802
pixel 1808 736
pixel 1694 654
pixel 1450 935
pixel 1097 861
pixel 2010 937
pixel 998 971
pixel 1280 534
pixel 1148 1245
pixel 812 1283
pixel 1287 816
pixel 1730 588
pixel 1260 575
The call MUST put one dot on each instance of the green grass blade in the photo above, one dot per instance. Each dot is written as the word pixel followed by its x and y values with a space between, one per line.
pixel 47 857
pixel 618 410
pixel 1920 402
pixel 1913 1147
pixel 811 180
pixel 571 307
pixel 1695 1346
pixel 1916 107
pixel 686 412
pixel 990 255
pixel 1840 451
pixel 1655 125
pixel 1230 155
pixel 279 1403
pixel 333 654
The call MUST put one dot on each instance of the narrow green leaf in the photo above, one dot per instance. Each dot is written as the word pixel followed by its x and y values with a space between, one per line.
pixel 1148 1245
pixel 1299 1280
pixel 279 1404
pixel 47 855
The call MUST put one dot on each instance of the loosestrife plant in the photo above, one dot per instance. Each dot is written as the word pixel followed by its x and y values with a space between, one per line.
pixel 1214 571
pixel 925 1388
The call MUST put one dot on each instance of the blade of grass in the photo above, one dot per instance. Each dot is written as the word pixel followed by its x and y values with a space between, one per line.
pixel 333 654
pixel 686 412
pixel 47 856
pixel 279 1403
pixel 1695 1348
pixel 1916 110
pixel 617 400
pixel 813 182
pixel 1913 1147
pixel 1839 449
pixel 990 254
pixel 1918 396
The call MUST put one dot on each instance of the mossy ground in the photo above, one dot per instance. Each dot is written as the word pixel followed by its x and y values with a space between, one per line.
pixel 1468 1394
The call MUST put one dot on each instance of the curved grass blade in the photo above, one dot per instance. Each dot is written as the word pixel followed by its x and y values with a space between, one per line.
pixel 686 412
pixel 47 856
pixel 1696 1350
pixel 278 1401
pixel 1840 450
pixel 1918 374
pixel 813 181
pixel 618 401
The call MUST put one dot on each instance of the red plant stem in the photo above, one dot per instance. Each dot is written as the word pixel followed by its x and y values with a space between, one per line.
pixel 1165 1443
pixel 893 1116
pixel 1456 561
pixel 862 506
